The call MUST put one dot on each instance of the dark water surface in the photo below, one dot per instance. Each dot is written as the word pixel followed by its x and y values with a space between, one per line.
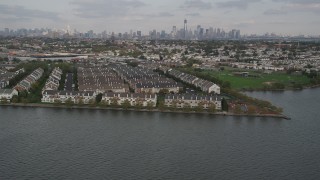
pixel 39 143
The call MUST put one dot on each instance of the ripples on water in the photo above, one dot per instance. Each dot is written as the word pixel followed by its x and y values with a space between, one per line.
pixel 93 144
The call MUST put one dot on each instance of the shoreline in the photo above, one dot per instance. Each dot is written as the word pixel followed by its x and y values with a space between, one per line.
pixel 39 105
pixel 279 90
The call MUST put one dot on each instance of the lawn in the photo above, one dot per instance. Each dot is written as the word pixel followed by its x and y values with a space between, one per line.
pixel 238 82
pixel 259 82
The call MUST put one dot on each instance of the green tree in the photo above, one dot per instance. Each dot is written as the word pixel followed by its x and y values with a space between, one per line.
pixel 103 104
pixel 126 104
pixel 92 103
pixel 161 105
pixel 150 105
pixel 139 103
pixel 237 109
pixel 212 107
pixel 57 102
pixel 174 104
pixel 99 98
pixel 200 107
pixel 114 102
pixel 186 107
pixel 80 101
pixel 163 91
pixel 224 105
pixel 15 99
pixel 4 100
pixel 69 102
pixel 278 85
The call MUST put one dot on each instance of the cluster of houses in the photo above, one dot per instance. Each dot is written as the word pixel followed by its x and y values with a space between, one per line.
pixel 256 66
pixel 144 80
pixel 26 83
pixel 204 85
pixel 6 76
pixel 53 81
pixel 100 80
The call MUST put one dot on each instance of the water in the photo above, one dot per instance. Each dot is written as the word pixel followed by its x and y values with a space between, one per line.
pixel 39 143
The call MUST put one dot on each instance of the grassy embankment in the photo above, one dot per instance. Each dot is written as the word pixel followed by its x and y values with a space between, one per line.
pixel 257 80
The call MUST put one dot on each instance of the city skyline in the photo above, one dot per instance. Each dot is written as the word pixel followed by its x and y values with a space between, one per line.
pixel 288 17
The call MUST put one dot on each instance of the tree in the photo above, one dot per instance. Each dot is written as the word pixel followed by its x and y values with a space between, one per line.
pixel 69 102
pixel 226 84
pixel 23 94
pixel 186 107
pixel 163 91
pixel 139 103
pixel 150 105
pixel 279 110
pixel 114 102
pixel 92 103
pixel 15 99
pixel 224 105
pixel 4 100
pixel 80 101
pixel 278 85
pixel 237 109
pixel 212 107
pixel 161 104
pixel 98 98
pixel 57 102
pixel 174 104
pixel 200 106
pixel 126 104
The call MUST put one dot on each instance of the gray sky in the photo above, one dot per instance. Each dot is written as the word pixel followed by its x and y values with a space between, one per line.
pixel 286 17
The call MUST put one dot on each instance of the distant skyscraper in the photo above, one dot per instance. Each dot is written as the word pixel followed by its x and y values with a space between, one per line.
pixel 185 28
pixel 238 35
pixel 139 34
pixel 163 34
pixel 174 30
pixel 7 31
pixel 154 34
pixel 218 32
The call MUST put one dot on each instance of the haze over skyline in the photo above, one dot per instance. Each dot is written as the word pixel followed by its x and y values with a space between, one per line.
pixel 287 17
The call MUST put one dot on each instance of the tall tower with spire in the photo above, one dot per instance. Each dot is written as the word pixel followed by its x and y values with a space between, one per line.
pixel 185 28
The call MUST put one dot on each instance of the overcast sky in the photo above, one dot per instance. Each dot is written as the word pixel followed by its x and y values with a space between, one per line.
pixel 287 17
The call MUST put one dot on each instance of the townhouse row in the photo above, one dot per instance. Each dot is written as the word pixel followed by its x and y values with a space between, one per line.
pixel 192 101
pixel 109 98
pixel 134 99
pixel 6 76
pixel 204 85
pixel 76 97
pixel 26 83
pixel 53 81
pixel 144 80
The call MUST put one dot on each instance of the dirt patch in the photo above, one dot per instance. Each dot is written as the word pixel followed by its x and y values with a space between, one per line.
pixel 268 83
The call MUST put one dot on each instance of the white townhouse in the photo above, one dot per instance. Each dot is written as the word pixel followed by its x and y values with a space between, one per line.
pixel 192 100
pixel 7 94
pixel 52 96
pixel 134 98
